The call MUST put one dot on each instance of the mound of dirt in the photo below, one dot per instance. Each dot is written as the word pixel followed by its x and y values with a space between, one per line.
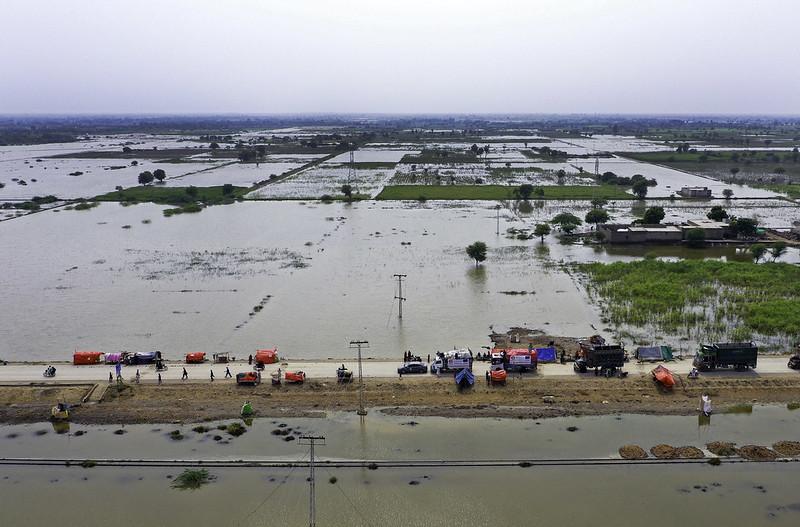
pixel 664 452
pixel 689 452
pixel 723 448
pixel 632 452
pixel 758 453
pixel 787 448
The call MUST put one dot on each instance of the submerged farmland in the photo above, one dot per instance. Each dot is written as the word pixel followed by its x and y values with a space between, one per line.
pixel 701 299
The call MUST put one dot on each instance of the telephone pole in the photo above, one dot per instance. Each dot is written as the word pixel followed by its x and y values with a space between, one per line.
pixel 312 505
pixel 400 296
pixel 359 344
pixel 497 208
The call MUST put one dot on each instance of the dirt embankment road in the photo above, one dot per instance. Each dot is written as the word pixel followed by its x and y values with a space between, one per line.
pixel 530 397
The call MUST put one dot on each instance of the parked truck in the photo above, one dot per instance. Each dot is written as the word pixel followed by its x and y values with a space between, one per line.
pixel 604 359
pixel 453 360
pixel 740 355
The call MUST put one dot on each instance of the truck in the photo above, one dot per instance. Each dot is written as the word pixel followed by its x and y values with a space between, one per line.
pixel 517 359
pixel 740 355
pixel 605 359
pixel 453 360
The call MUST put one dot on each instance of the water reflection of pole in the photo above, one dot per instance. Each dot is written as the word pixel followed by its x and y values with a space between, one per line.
pixel 312 506
pixel 358 344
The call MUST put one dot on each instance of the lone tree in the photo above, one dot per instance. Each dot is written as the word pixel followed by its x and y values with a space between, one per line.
pixel 728 193
pixel 757 251
pixel 695 238
pixel 597 216
pixel 778 249
pixel 653 215
pixel 347 190
pixel 227 189
pixel 477 251
pixel 747 227
pixel 213 146
pixel 566 222
pixel 541 230
pixel 159 174
pixel 525 191
pixel 717 213
pixel 145 178
pixel 640 188
pixel 599 203
pixel 734 171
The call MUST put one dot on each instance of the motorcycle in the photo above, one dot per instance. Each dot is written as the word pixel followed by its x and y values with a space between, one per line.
pixel 50 371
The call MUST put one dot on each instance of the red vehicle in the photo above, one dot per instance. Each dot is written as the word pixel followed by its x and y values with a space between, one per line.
pixel 519 359
pixel 497 375
pixel 267 356
pixel 80 358
pixel 195 357
pixel 663 376
pixel 295 376
pixel 248 378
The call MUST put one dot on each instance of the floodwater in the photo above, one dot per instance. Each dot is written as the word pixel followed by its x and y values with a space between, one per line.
pixel 306 277
pixel 627 495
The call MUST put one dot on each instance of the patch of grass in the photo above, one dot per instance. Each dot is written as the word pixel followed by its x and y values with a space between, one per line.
pixel 177 196
pixel 741 408
pixel 176 435
pixel 793 406
pixel 201 429
pixel 85 205
pixel 498 192
pixel 712 296
pixel 186 209
pixel 236 429
pixel 192 479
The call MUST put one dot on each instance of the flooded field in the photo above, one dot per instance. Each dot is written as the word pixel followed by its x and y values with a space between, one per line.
pixel 756 494
pixel 307 277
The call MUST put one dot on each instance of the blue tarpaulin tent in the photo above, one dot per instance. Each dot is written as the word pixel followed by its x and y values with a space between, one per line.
pixel 546 355
pixel 648 353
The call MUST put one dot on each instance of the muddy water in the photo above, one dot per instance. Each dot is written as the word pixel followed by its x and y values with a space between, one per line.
pixel 153 285
pixel 305 277
pixel 748 494
pixel 387 437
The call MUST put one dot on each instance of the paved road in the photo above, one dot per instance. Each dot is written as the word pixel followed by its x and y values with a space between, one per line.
pixel 25 373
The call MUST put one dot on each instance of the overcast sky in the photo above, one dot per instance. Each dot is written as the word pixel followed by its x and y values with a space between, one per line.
pixel 407 56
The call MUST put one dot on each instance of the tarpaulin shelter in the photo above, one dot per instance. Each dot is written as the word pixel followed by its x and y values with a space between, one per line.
pixel 546 354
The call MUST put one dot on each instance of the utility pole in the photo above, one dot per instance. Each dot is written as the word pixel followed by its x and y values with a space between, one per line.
pixel 399 296
pixel 596 166
pixel 359 344
pixel 312 505
pixel 497 208
pixel 351 168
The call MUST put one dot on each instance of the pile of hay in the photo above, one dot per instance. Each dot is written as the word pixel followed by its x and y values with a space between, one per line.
pixel 723 448
pixel 664 452
pixel 787 448
pixel 632 452
pixel 689 452
pixel 758 453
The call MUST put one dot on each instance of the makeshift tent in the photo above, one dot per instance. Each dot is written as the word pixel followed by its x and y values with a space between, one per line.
pixel 268 356
pixel 653 353
pixel 648 353
pixel 546 354
pixel 113 358
pixel 143 357
pixel 86 357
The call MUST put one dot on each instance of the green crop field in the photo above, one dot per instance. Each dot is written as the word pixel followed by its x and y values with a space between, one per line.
pixel 495 192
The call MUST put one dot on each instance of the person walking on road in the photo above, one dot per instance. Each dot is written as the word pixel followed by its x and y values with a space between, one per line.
pixel 212 375
pixel 228 373
pixel 138 377
pixel 250 360
pixel 110 378
pixel 159 378
pixel 185 375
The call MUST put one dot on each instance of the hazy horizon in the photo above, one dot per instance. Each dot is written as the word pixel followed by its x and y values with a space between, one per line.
pixel 310 57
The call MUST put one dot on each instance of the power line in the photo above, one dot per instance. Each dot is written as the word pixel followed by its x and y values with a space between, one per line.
pixel 265 500
pixel 335 484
